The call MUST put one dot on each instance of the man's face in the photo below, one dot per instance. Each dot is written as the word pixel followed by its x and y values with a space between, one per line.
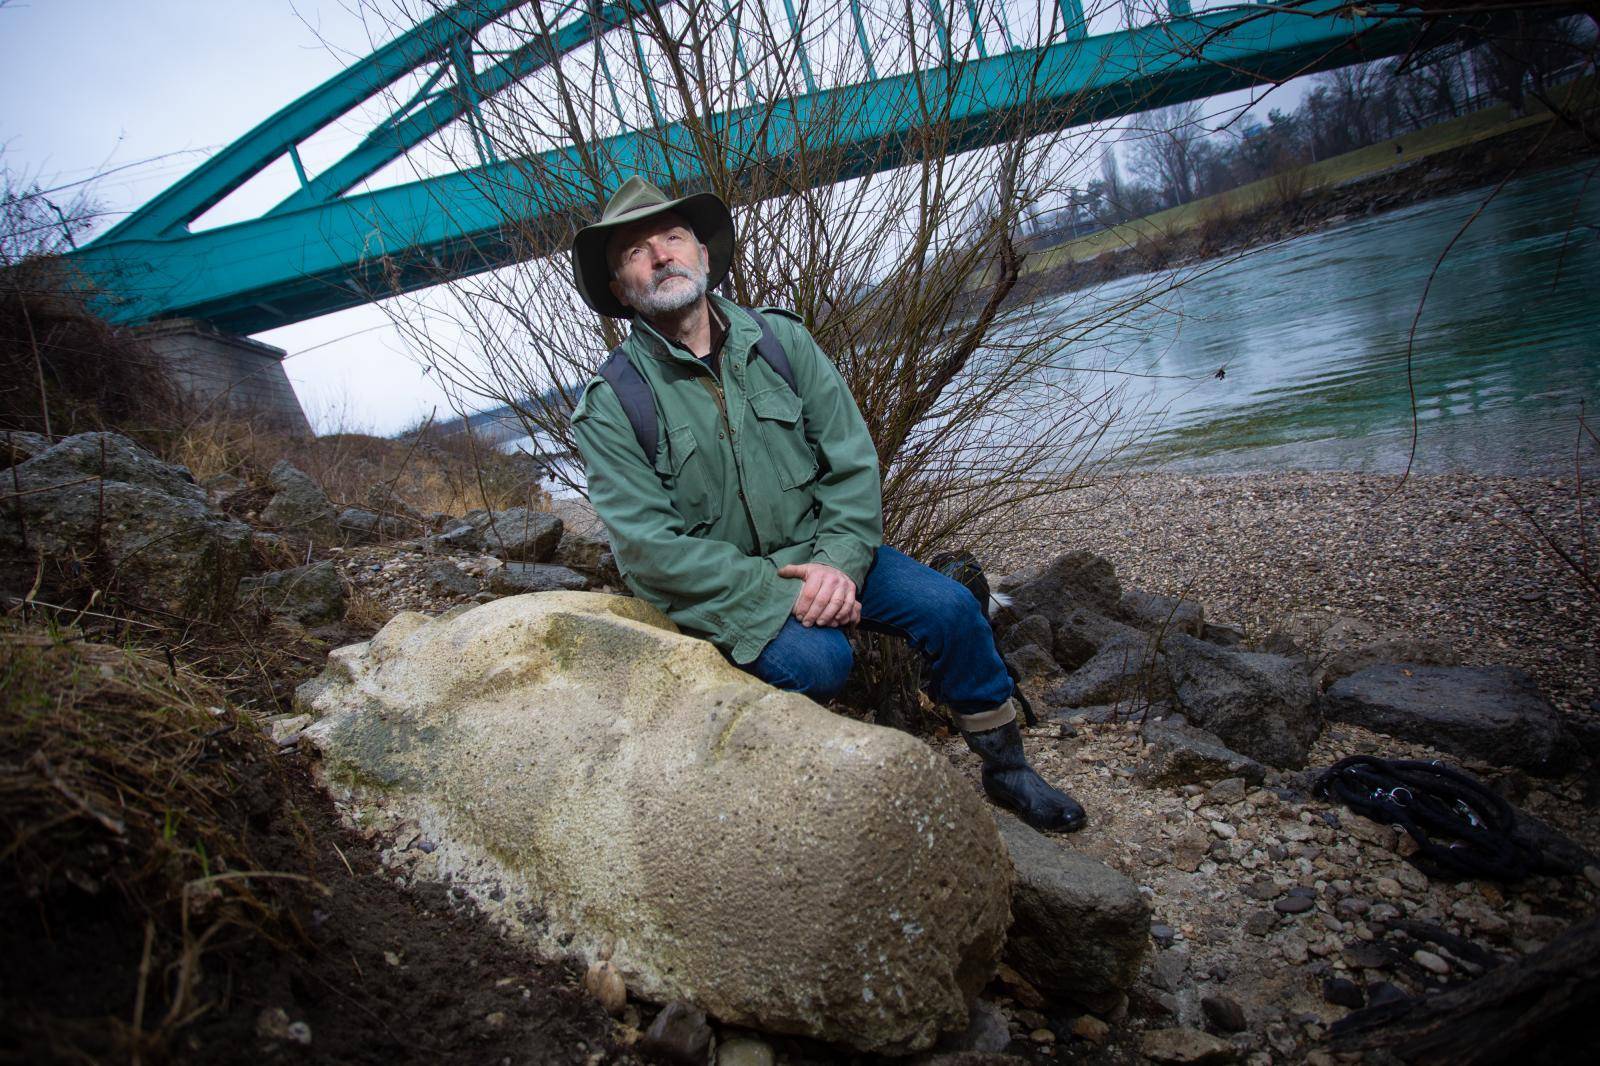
pixel 658 267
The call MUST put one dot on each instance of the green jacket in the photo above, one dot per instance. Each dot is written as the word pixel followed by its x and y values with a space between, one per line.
pixel 781 479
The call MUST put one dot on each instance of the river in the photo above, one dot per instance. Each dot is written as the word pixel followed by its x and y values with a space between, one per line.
pixel 1311 334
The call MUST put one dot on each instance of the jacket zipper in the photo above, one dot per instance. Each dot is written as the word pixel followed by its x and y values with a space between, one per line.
pixel 738 471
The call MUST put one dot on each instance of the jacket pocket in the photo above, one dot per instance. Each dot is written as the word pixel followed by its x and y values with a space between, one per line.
pixel 687 481
pixel 777 411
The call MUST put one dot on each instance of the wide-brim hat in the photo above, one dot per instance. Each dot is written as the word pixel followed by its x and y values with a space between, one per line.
pixel 705 212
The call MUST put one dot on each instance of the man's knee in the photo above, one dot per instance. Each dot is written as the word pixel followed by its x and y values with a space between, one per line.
pixel 815 662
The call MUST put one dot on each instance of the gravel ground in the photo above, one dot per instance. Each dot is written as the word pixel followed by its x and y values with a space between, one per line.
pixel 1448 557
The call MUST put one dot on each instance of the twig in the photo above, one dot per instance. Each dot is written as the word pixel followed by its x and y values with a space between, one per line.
pixel 342 859
pixel 144 983
pixel 115 825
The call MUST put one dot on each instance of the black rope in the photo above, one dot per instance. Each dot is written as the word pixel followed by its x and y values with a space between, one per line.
pixel 1460 826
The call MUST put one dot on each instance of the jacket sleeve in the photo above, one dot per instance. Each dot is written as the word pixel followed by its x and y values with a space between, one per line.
pixel 707 585
pixel 850 523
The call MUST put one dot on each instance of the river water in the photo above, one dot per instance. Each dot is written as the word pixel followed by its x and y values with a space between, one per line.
pixel 1312 336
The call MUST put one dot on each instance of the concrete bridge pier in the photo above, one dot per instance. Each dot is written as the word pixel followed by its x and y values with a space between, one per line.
pixel 232 373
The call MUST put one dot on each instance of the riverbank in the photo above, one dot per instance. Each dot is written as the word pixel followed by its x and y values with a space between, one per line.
pixel 1454 558
pixel 1473 151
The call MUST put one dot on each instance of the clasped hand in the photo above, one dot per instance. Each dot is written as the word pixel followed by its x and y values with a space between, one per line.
pixel 828 597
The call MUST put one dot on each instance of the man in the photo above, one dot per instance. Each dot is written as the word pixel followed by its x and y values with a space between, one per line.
pixel 746 505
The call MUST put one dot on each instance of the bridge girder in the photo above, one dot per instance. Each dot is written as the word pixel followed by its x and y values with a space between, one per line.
pixel 312 256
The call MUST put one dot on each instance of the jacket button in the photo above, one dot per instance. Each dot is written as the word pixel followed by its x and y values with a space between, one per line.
pixel 719 436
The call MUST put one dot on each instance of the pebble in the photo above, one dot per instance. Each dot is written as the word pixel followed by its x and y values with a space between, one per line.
pixel 1294 905
pixel 1088 1027
pixel 1294 949
pixel 1259 923
pixel 1343 992
pixel 1224 1013
pixel 744 1051
pixel 1388 886
pixel 1224 830
pixel 1262 889
pixel 1412 878
pixel 1430 962
pixel 1592 872
pixel 1042 1036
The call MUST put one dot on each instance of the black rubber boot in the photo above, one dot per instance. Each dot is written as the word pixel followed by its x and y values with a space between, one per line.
pixel 1011 783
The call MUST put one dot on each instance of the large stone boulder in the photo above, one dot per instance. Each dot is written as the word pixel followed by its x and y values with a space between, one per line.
pixel 630 792
pixel 1079 928
pixel 299 506
pixel 514 578
pixel 1125 667
pixel 1074 579
pixel 1162 614
pixel 1492 713
pixel 1259 705
pixel 104 512
pixel 1181 754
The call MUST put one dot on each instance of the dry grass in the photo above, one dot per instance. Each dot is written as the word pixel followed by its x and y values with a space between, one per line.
pixel 129 791
pixel 429 473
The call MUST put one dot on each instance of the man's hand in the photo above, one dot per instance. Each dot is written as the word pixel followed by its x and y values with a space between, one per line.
pixel 827 598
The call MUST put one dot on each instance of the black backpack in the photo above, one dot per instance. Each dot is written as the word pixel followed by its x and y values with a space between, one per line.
pixel 639 404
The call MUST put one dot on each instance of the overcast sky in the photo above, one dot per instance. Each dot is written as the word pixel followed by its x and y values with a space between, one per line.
pixel 152 87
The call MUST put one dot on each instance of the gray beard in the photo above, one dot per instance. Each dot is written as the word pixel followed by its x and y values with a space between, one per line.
pixel 656 303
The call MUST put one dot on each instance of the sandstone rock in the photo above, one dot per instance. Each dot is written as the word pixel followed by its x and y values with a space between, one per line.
pixel 107 513
pixel 1184 1047
pixel 1162 614
pixel 1123 668
pixel 1079 929
pixel 310 594
pixel 535 577
pixel 573 753
pixel 299 506
pixel 1492 713
pixel 1224 1013
pixel 1260 705
pixel 1182 754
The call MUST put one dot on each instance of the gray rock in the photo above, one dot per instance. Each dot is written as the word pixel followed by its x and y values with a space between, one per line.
pixel 1224 1013
pixel 310 594
pixel 986 1031
pixel 588 554
pixel 220 486
pixel 1031 629
pixel 1080 633
pixel 1079 929
pixel 1492 713
pixel 1038 675
pixel 359 526
pixel 1260 705
pixel 514 578
pixel 1162 614
pixel 679 1035
pixel 745 1051
pixel 18 447
pixel 1076 579
pixel 299 506
pixel 1222 634
pixel 106 513
pixel 446 578
pixel 520 534
pixel 1123 668
pixel 1182 754
pixel 1340 663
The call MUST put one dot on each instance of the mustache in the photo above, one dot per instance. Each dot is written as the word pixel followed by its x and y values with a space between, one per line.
pixel 672 270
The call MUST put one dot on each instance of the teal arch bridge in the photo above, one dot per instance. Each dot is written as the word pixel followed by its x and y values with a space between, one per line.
pixel 342 238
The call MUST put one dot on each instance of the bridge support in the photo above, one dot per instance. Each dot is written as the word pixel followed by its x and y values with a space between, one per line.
pixel 228 373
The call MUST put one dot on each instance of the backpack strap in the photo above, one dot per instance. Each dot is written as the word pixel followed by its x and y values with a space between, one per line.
pixel 771 349
pixel 639 403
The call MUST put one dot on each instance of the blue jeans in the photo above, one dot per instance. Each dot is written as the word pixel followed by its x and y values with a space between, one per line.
pixel 899 595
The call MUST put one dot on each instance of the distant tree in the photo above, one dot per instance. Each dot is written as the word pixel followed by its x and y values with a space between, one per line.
pixel 1168 158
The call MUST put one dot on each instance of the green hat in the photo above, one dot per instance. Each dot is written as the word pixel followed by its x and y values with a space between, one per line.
pixel 705 212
